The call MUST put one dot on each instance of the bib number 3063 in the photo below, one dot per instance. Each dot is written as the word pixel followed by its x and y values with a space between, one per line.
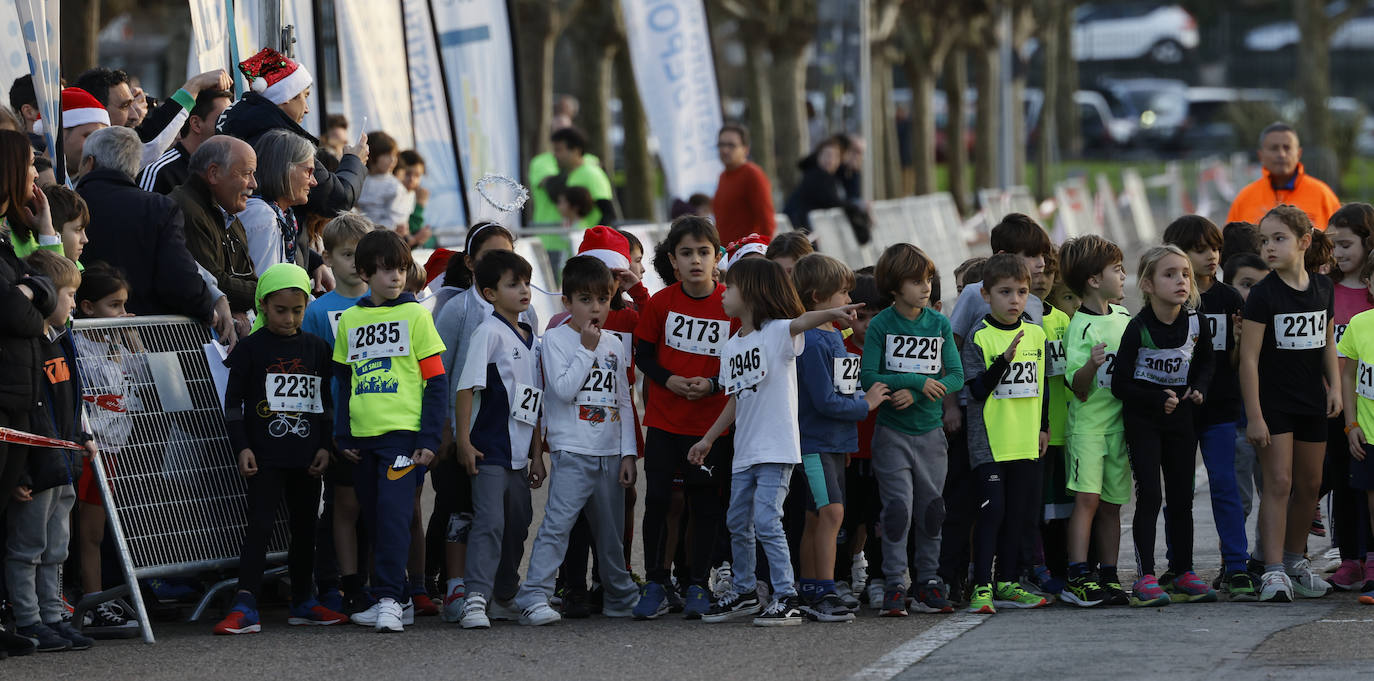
pixel 382 339
pixel 525 404
pixel 598 389
pixel 846 375
pixel 1300 330
pixel 695 335
pixel 913 354
pixel 294 393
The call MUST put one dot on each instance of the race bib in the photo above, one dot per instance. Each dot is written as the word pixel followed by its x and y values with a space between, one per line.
pixel 1336 332
pixel 625 346
pixel 847 375
pixel 913 354
pixel 382 339
pixel 1219 326
pixel 1021 380
pixel 1163 367
pixel 1104 372
pixel 1300 330
pixel 745 370
pixel 1056 359
pixel 294 393
pixel 598 389
pixel 334 322
pixel 1365 386
pixel 525 404
pixel 695 335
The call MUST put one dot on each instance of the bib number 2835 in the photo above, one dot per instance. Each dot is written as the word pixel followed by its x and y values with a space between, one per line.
pixel 382 339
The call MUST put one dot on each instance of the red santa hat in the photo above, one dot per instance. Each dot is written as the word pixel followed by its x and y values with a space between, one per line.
pixel 80 107
pixel 607 245
pixel 749 245
pixel 275 76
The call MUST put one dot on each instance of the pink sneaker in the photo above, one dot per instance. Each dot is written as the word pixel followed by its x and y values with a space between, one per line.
pixel 1349 576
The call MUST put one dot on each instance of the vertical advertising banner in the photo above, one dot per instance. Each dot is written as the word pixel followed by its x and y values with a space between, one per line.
pixel 372 68
pixel 38 22
pixel 433 129
pixel 209 37
pixel 670 50
pixel 299 13
pixel 14 62
pixel 479 68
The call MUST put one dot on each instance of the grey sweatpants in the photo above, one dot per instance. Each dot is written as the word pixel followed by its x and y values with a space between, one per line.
pixel 501 515
pixel 577 482
pixel 911 475
pixel 37 546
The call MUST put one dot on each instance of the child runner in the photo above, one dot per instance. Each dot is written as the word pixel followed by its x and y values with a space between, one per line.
pixel 1216 418
pixel 1008 429
pixel 1046 544
pixel 830 404
pixel 910 348
pixel 387 352
pixel 1243 271
pixel 787 248
pixel 1357 390
pixel 1099 474
pixel 1166 363
pixel 1285 353
pixel 590 431
pixel 496 423
pixel 758 371
pixel 277 411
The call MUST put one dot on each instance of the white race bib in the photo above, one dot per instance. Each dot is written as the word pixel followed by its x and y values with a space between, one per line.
pixel 1219 326
pixel 1300 330
pixel 294 393
pixel 1365 386
pixel 1021 380
pixel 1104 372
pixel 380 339
pixel 1056 359
pixel 1336 332
pixel 847 375
pixel 745 370
pixel 1168 366
pixel 913 354
pixel 334 322
pixel 598 389
pixel 695 335
pixel 525 404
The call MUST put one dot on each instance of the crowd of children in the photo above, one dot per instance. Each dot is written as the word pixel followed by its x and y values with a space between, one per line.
pixel 814 439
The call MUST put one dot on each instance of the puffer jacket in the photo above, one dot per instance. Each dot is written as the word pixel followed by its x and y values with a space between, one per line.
pixel 23 325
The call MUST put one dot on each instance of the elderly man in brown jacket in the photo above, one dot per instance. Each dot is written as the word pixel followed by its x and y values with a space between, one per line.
pixel 218 188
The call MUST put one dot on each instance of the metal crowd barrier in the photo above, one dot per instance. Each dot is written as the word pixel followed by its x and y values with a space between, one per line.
pixel 173 495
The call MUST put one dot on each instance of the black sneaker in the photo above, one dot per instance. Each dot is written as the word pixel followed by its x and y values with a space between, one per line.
pixel 732 605
pixel 1254 567
pixel 575 605
pixel 1115 595
pixel 932 597
pixel 782 612
pixel 1240 586
pixel 14 645
pixel 69 632
pixel 828 608
pixel 109 620
pixel 46 640
pixel 1083 592
pixel 894 603
pixel 676 602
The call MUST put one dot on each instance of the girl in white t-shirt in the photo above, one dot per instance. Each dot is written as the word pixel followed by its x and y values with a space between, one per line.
pixel 758 371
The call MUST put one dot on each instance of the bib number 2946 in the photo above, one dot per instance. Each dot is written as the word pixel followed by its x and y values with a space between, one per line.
pixel 746 370
pixel 382 339
pixel 525 405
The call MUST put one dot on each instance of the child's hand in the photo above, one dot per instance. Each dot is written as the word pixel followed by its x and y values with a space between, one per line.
pixel 422 456
pixel 23 493
pixel 248 464
pixel 1010 352
pixel 320 463
pixel 1257 432
pixel 933 390
pixel 629 471
pixel 1044 442
pixel 468 456
pixel 681 386
pixel 954 418
pixel 698 388
pixel 351 454
pixel 902 399
pixel 1170 403
pixel 591 336
pixel 625 278
pixel 877 395
pixel 1333 403
pixel 1099 355
pixel 697 454
pixel 1357 442
pixel 537 472
pixel 90 448
pixel 842 313
pixel 1194 395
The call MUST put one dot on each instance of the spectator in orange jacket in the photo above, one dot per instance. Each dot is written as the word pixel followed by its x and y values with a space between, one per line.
pixel 1284 181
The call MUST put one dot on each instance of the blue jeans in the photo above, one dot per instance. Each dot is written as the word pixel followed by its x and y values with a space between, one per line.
pixel 1218 443
pixel 756 496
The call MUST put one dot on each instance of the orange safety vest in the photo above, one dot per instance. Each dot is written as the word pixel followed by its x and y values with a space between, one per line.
pixel 1306 192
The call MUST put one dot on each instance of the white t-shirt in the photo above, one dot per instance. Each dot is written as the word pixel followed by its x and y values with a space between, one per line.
pixel 504 411
pixel 760 371
pixel 587 408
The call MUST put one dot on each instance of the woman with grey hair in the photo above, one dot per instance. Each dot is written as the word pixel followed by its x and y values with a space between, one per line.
pixel 285 174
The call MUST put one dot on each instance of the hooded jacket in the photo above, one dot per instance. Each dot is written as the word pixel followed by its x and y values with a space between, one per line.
pixel 50 467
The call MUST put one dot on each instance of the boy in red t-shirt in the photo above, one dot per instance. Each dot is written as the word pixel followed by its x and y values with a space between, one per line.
pixel 678 344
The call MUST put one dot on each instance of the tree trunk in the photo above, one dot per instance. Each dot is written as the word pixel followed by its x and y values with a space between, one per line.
pixel 1046 150
pixel 956 153
pixel 791 141
pixel 594 95
pixel 1314 63
pixel 79 28
pixel 1070 137
pixel 534 48
pixel 922 82
pixel 640 171
pixel 760 103
pixel 986 123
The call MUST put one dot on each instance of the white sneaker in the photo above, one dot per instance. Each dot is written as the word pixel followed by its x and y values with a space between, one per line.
pixel 858 572
pixel 1276 587
pixel 1306 583
pixel 539 615
pixel 368 618
pixel 875 595
pixel 389 616
pixel 475 612
pixel 503 611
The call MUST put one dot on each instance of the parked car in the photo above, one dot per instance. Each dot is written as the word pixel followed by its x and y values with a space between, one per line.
pixel 1133 30
pixel 1160 104
pixel 1356 34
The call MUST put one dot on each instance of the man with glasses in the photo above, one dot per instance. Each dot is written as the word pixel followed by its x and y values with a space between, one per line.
pixel 744 199
pixel 218 188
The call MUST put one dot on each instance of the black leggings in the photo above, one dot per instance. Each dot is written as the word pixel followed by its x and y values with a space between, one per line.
pixel 960 494
pixel 665 458
pixel 1167 445
pixel 1008 493
pixel 264 495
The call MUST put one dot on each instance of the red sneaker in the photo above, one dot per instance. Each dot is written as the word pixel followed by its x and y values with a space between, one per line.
pixel 424 605
pixel 239 622
pixel 313 614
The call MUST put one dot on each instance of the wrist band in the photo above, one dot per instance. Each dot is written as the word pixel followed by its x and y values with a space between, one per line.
pixel 1351 426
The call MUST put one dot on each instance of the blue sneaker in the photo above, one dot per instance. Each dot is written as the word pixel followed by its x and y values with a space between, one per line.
pixel 243 619
pixel 653 602
pixel 171 591
pixel 332 599
pixel 698 602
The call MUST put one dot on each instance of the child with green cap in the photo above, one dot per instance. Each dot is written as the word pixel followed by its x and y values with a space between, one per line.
pixel 278 415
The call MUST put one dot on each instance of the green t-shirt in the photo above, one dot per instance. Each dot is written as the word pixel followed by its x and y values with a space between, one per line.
pixel 1357 344
pixel 593 178
pixel 542 167
pixel 384 346
pixel 903 353
pixel 1014 406
pixel 1056 323
pixel 1100 414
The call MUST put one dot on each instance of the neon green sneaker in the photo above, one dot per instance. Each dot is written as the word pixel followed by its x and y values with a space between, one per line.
pixel 1011 595
pixel 981 602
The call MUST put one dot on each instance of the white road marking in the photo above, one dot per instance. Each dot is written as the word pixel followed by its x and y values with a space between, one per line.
pixel 919 648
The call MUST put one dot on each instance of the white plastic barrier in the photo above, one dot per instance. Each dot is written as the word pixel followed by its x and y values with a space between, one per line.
pixel 1074 213
pixel 1138 203
pixel 1108 213
pixel 997 203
